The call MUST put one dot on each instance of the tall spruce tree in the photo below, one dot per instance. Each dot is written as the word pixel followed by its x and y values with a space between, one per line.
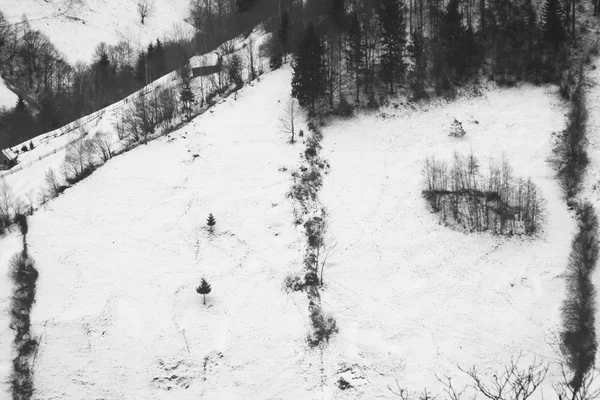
pixel 393 40
pixel 308 82
pixel 355 51
pixel 552 25
pixel 204 289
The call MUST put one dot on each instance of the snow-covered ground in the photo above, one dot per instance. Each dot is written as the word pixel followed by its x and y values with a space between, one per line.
pixel 96 21
pixel 27 179
pixel 120 255
pixel 414 298
pixel 8 99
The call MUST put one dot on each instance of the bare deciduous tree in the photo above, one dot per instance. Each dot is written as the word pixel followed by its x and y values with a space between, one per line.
pixel 145 8
pixel 52 184
pixel 589 389
pixel 287 123
pixel 513 383
pixel 100 145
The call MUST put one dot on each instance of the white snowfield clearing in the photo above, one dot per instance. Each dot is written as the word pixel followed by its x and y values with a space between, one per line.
pixel 96 21
pixel 121 253
pixel 414 298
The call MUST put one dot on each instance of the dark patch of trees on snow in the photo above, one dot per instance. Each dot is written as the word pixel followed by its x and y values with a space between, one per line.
pixel 367 49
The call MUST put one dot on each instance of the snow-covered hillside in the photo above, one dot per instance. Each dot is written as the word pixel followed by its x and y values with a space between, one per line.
pixel 75 27
pixel 120 255
pixel 126 321
pixel 414 298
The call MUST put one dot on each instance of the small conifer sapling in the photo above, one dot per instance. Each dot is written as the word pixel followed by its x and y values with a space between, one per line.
pixel 203 289
pixel 211 222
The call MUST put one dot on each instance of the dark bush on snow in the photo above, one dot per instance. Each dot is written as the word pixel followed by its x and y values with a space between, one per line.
pixel 324 327
pixel 579 342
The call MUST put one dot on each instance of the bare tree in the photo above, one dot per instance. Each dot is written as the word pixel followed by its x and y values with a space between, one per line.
pixel 100 146
pixel 7 201
pixel 145 8
pixel 513 384
pixel 589 389
pixel 52 183
pixel 78 161
pixel 287 123
pixel 250 50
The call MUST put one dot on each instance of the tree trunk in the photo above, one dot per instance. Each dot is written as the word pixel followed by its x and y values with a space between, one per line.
pixel 204 299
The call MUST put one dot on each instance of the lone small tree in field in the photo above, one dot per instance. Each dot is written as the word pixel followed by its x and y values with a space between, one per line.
pixel 203 289
pixel 457 130
pixel 145 8
pixel 211 222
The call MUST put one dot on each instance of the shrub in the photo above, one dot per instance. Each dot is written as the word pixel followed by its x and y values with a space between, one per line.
pixel 456 129
pixel 294 283
pixel 324 327
pixel 344 108
pixel 79 161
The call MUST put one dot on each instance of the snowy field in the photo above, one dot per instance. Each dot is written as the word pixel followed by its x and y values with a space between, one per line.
pixel 414 298
pixel 96 21
pixel 120 254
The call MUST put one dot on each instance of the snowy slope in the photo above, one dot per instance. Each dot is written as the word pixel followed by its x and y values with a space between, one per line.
pixel 77 26
pixel 414 298
pixel 121 253
pixel 7 98
pixel 27 179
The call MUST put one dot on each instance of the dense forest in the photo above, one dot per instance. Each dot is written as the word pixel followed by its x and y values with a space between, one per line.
pixel 364 50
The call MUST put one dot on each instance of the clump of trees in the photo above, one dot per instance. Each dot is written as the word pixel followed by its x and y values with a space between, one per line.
pixel 495 202
pixel 23 275
pixel 370 49
pixel 579 343
pixel 54 92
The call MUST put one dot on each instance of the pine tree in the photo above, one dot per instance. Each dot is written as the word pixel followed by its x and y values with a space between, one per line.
pixel 393 40
pixel 416 50
pixel 355 52
pixel 308 83
pixel 204 289
pixel 211 222
pixel 140 69
pixel 552 25
pixel 31 147
pixel 452 35
pixel 187 97
pixel 20 106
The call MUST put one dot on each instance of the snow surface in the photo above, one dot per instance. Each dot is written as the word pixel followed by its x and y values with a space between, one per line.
pixel 414 298
pixel 96 21
pixel 8 99
pixel 120 254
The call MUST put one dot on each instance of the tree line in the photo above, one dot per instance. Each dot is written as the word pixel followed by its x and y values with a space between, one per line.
pixel 369 49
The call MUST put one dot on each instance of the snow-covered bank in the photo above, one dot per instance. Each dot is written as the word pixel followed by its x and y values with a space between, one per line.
pixel 414 298
pixel 120 255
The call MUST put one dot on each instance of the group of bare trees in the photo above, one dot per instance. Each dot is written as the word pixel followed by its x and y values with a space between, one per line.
pixel 497 202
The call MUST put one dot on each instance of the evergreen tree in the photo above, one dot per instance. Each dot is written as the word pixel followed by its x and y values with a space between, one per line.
pixel 204 289
pixel 284 34
pixel 159 60
pixel 31 147
pixel 452 35
pixel 187 97
pixel 20 106
pixel 140 69
pixel 416 50
pixel 308 83
pixel 355 51
pixel 211 222
pixel 552 25
pixel 393 40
